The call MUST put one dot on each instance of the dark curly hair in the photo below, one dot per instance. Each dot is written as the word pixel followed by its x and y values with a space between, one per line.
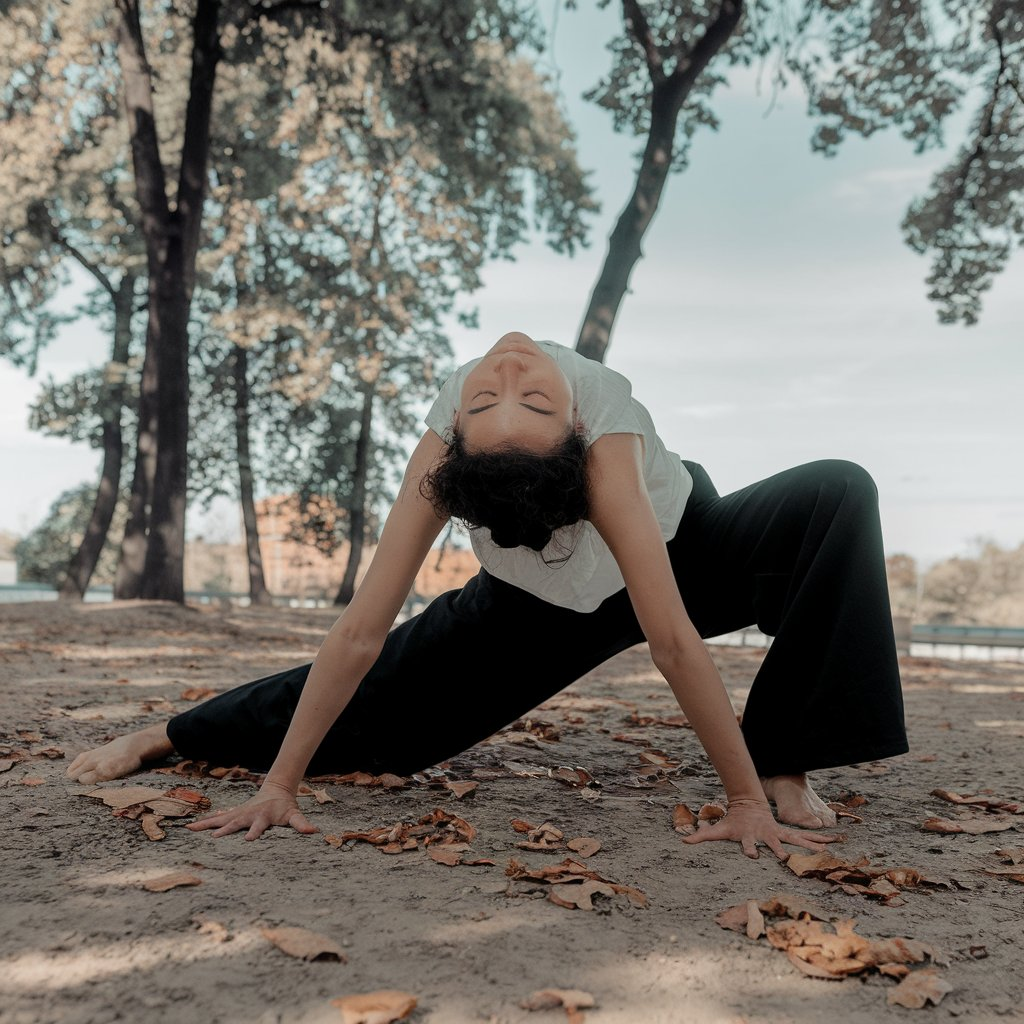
pixel 522 497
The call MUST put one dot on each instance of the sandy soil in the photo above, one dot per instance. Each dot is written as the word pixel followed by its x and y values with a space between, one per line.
pixel 83 941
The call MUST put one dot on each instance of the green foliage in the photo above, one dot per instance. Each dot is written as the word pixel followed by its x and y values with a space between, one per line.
pixel 43 555
pixel 868 66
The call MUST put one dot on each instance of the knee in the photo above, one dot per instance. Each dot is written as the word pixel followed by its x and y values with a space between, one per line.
pixel 854 478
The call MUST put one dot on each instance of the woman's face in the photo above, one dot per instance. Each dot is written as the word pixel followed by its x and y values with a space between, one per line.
pixel 517 393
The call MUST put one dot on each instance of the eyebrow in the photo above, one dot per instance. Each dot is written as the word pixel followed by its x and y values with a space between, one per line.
pixel 525 405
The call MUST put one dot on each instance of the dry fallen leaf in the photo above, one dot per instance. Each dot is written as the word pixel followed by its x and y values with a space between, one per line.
pixel 711 812
pixel 585 846
pixel 461 789
pixel 32 780
pixel 198 693
pixel 125 796
pixel 151 826
pixel 566 877
pixel 383 1007
pixel 1012 854
pixel 918 988
pixel 304 944
pixel 979 801
pixel 684 820
pixel 572 999
pixel 579 895
pixel 174 880
pixel 210 928
pixel 521 826
pixel 970 826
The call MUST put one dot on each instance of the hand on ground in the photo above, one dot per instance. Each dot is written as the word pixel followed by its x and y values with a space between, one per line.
pixel 271 806
pixel 750 823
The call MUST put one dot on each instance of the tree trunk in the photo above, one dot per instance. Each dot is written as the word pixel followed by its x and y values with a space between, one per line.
pixel 83 563
pixel 357 505
pixel 258 593
pixel 132 559
pixel 172 239
pixel 668 93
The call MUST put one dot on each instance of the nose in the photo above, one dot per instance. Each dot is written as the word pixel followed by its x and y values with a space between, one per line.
pixel 510 362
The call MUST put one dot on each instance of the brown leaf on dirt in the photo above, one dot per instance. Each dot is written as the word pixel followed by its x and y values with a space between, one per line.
pixel 6 765
pixel 32 780
pixel 684 821
pixel 189 796
pixel 174 880
pixel 172 808
pixel 755 920
pixel 1015 874
pixel 918 988
pixel 151 826
pixel 872 768
pixel 1012 854
pixel 544 837
pixel 197 693
pixel 711 812
pixel 383 1007
pixel 585 846
pixel 547 731
pixel 786 904
pixel 521 826
pixel 188 768
pixel 125 796
pixel 572 776
pixel 979 801
pixel 658 758
pixel 570 873
pixel 842 812
pixel 439 827
pixel 450 855
pixel 391 781
pixel 552 998
pixel 672 721
pixel 579 894
pixel 210 928
pixel 304 944
pixel 461 789
pixel 970 826
pixel 235 774
pixel 50 753
pixel 861 877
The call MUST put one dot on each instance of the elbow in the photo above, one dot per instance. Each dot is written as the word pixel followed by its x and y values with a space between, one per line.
pixel 676 654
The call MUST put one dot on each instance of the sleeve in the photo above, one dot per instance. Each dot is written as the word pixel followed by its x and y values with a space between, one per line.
pixel 441 414
pixel 604 400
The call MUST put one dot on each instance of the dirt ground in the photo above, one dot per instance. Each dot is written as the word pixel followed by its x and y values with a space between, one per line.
pixel 82 942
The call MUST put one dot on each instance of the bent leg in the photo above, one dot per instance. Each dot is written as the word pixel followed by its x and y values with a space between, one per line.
pixel 800 554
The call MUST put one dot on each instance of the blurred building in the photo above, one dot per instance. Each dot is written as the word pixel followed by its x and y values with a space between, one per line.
pixel 296 569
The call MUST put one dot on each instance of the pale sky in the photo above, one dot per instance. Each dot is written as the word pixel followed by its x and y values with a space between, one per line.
pixel 777 317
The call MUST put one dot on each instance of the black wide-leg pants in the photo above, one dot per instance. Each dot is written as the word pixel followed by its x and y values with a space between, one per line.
pixel 799 554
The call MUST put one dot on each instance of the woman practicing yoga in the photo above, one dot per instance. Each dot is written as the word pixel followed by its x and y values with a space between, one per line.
pixel 592 538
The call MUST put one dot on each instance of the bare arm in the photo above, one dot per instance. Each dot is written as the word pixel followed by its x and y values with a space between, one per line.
pixel 622 513
pixel 347 653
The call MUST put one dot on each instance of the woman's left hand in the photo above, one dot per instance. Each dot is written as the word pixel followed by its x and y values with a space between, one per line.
pixel 750 822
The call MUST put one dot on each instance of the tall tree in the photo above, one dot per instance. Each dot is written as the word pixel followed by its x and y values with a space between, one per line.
pixel 441 66
pixel 67 202
pixel 865 66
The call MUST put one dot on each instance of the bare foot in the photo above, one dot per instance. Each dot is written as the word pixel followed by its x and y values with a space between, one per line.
pixel 122 756
pixel 796 803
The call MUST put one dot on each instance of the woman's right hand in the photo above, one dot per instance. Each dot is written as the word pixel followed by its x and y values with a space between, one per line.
pixel 272 805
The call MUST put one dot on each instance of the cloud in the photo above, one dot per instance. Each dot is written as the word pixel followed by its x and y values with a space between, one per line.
pixel 884 183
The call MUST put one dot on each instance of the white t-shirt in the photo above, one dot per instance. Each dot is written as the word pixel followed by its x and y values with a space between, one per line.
pixel 604 405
